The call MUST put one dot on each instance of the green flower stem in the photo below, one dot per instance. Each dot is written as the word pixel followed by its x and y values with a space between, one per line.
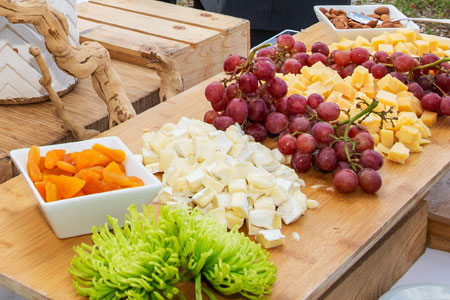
pixel 209 293
pixel 198 287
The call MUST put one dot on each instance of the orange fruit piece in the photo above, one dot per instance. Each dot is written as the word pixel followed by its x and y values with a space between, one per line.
pixel 67 185
pixel 51 192
pixel 68 158
pixel 33 164
pixel 91 173
pixel 89 158
pixel 116 155
pixel 53 156
pixel 95 186
pixel 40 186
pixel 136 181
pixel 114 174
pixel 42 163
pixel 67 167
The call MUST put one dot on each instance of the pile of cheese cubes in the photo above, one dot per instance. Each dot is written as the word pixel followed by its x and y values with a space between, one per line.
pixel 227 174
pixel 409 132
pixel 404 40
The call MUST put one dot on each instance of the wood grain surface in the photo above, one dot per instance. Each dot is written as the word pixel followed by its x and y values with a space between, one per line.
pixel 198 40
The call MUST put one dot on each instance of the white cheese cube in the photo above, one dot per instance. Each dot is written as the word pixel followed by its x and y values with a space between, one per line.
pixel 270 238
pixel 204 152
pixel 239 204
pixel 205 210
pixel 312 204
pixel 252 197
pixel 283 183
pixel 233 220
pixel 153 167
pixel 178 133
pixel 164 195
pixel 182 187
pixel 262 218
pixel 182 199
pixel 301 199
pixel 204 197
pixel 171 175
pixel 166 157
pixel 222 171
pixel 168 127
pixel 279 195
pixel 184 147
pixel 210 182
pixel 260 180
pixel 236 150
pixel 290 211
pixel 252 229
pixel 264 203
pixel 184 122
pixel 276 222
pixel 278 156
pixel 219 156
pixel 222 142
pixel 222 200
pixel 159 142
pixel 195 178
pixel 219 214
pixel 237 185
pixel 242 169
pixel 150 156
pixel 234 134
pixel 265 160
pixel 146 138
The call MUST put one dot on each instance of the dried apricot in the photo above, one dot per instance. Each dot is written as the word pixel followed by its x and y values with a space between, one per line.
pixel 33 164
pixel 113 173
pixel 95 186
pixel 67 186
pixel 67 167
pixel 51 192
pixel 40 186
pixel 116 155
pixel 89 158
pixel 53 156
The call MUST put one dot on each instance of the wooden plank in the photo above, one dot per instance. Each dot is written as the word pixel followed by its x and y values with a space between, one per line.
pixel 222 23
pixel 386 262
pixel 438 235
pixel 175 31
pixel 333 238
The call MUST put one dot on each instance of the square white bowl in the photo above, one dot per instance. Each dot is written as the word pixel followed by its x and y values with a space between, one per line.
pixel 368 33
pixel 76 216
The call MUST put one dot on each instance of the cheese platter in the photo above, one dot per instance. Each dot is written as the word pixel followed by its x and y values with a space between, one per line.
pixel 319 248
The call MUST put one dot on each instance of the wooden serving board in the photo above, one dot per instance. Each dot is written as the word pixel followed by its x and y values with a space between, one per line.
pixel 198 40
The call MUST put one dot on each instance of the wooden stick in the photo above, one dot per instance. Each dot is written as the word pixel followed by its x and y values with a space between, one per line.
pixel 88 59
pixel 78 131
pixel 168 71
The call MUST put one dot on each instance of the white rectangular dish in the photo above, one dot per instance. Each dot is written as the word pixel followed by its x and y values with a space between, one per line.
pixel 368 33
pixel 77 216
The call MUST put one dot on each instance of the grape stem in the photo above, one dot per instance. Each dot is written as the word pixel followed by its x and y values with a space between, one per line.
pixel 437 86
pixel 433 64
pixel 252 54
pixel 365 111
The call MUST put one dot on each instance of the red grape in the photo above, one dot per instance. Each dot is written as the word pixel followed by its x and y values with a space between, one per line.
pixel 214 91
pixel 431 102
pixel 345 181
pixel 232 63
pixel 296 104
pixel 276 122
pixel 337 68
pixel 363 141
pixel 264 70
pixel 425 82
pixel 248 83
pixel 319 47
pixel 286 144
pixel 286 41
pixel 257 131
pixel 316 57
pixel 301 57
pixel 326 159
pixel 428 58
pixel 339 148
pixel 299 124
pixel 342 57
pixel 359 55
pixel 232 91
pixel 381 57
pixel 222 104
pixel 314 100
pixel 238 110
pixel 301 162
pixel 298 47
pixel 368 64
pixel 223 122
pixel 399 76
pixel 292 65
pixel 443 81
pixel 257 110
pixel 416 89
pixel 328 111
pixel 404 63
pixel 266 52
pixel 371 159
pixel 281 105
pixel 341 165
pixel 210 116
pixel 379 71
pixel 276 87
pixel 369 180
pixel 323 132
pixel 396 54
pixel 355 129
pixel 306 143
pixel 348 70
pixel 445 105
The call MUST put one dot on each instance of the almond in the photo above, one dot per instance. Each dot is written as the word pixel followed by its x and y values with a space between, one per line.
pixel 358 26
pixel 384 17
pixel 374 16
pixel 398 25
pixel 340 25
pixel 372 23
pixel 366 26
pixel 323 10
pixel 382 10
pixel 388 25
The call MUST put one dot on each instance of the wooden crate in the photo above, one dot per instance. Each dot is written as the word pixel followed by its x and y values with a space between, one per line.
pixel 198 40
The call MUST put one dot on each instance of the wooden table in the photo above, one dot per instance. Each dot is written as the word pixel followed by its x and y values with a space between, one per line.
pixel 353 247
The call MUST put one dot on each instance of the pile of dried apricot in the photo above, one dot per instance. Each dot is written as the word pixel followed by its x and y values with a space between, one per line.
pixel 60 175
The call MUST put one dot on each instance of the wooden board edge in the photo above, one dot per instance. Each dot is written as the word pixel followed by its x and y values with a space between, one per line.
pixel 21 289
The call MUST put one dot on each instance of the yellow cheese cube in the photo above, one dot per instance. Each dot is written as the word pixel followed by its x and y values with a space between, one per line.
pixel 411 48
pixel 401 47
pixel 418 109
pixel 447 53
pixel 424 141
pixel 362 41
pixel 360 76
pixel 405 104
pixel 388 48
pixel 398 153
pixel 422 47
pixel 344 104
pixel 433 42
pixel 332 47
pixel 376 138
pixel 403 120
pixel 408 134
pixel 334 96
pixel 387 98
pixel 346 89
pixel 395 38
pixel 387 138
pixel 378 40
pixel 409 34
pixel 292 91
pixel 414 147
pixel 439 52
pixel 391 84
pixel 424 130
pixel 429 118
pixel 342 116
pixel 345 44
pixel 382 149
pixel 368 48
pixel 372 123
pixel 444 44
pixel 320 88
